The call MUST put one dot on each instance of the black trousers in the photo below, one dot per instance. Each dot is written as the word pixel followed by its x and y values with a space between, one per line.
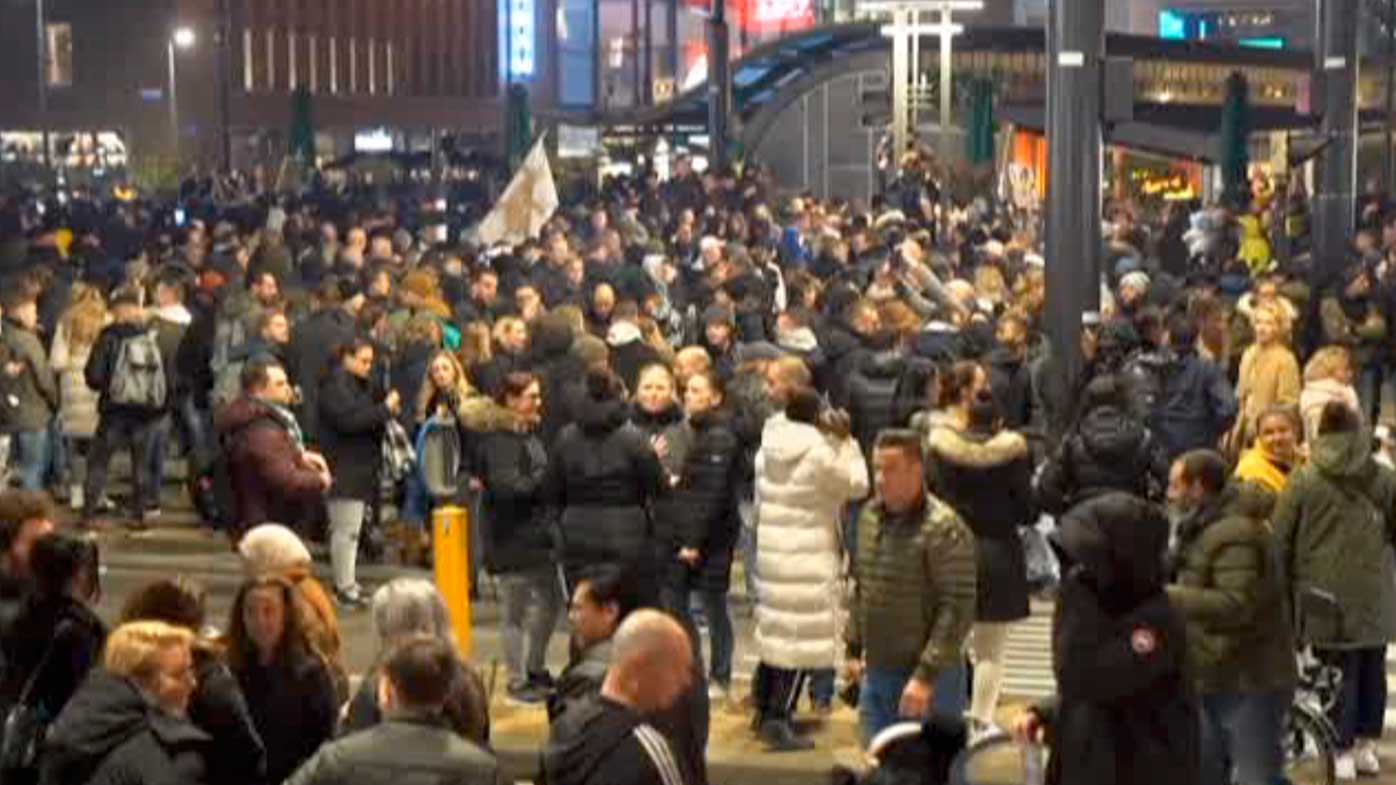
pixel 776 691
pixel 119 431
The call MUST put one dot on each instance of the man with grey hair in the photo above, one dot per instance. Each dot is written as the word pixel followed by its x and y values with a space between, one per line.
pixel 604 740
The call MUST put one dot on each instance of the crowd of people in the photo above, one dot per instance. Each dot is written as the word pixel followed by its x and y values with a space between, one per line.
pixel 672 377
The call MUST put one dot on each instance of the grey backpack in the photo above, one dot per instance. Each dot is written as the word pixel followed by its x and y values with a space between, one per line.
pixel 138 380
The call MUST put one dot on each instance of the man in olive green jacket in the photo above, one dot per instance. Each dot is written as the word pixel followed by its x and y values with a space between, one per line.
pixel 1229 590
pixel 915 595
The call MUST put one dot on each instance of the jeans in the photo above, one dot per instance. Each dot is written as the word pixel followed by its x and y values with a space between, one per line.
pixel 881 696
pixel 1241 738
pixel 531 603
pixel 195 422
pixel 1361 706
pixel 746 544
pixel 155 459
pixel 346 524
pixel 821 686
pixel 33 453
pixel 1370 385
pixel 681 581
pixel 117 431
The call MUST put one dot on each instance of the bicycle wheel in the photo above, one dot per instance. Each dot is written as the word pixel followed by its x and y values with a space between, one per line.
pixel 1309 747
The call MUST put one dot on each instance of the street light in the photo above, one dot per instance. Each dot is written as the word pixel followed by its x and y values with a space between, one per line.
pixel 181 38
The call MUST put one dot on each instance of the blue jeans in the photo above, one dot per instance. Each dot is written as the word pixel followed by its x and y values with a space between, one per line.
pixel 155 460
pixel 882 693
pixel 531 603
pixel 33 454
pixel 195 422
pixel 1241 737
pixel 680 582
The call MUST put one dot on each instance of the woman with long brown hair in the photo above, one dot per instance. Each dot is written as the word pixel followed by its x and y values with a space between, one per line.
pixel 77 332
pixel 288 688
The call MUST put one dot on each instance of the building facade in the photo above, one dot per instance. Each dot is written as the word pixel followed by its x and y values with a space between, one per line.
pixel 170 79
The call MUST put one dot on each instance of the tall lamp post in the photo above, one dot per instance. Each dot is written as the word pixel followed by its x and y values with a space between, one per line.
pixel 41 43
pixel 181 38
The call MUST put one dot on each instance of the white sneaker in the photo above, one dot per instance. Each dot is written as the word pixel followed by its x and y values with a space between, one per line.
pixel 1364 755
pixel 75 497
pixel 1345 766
pixel 717 693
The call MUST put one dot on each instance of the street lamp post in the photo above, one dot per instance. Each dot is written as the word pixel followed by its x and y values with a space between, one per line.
pixel 41 42
pixel 182 38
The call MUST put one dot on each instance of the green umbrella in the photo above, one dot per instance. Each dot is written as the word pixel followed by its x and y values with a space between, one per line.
pixel 302 133
pixel 518 125
pixel 1235 131
pixel 979 132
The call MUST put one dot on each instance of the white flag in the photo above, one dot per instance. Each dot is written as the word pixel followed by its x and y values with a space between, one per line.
pixel 526 205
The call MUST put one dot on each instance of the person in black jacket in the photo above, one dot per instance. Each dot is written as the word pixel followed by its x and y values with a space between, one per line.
pixel 1108 449
pixel 556 367
pixel 604 739
pixel 127 724
pixel 602 478
pixel 704 521
pixel 25 516
pixel 985 474
pixel 1125 711
pixel 120 425
pixel 519 552
pixel 287 684
pixel 352 418
pixel 872 389
pixel 235 753
pixel 313 340
pixel 654 404
pixel 56 637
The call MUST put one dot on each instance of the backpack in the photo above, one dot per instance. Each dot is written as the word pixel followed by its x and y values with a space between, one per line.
pixel 138 379
pixel 228 334
pixel 227 383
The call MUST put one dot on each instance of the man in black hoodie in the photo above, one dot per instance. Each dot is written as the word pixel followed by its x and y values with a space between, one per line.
pixel 605 740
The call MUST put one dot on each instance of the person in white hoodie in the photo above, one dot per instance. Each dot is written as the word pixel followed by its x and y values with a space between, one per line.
pixel 807 469
pixel 1327 377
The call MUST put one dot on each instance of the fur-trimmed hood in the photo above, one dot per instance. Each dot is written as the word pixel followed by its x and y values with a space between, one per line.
pixel 975 450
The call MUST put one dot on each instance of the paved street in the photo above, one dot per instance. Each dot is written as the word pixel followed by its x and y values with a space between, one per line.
pixel 176 546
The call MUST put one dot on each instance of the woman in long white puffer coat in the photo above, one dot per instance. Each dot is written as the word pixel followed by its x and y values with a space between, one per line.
pixel 804 477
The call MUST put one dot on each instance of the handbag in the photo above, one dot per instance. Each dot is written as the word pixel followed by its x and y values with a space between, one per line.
pixel 27 723
pixel 1043 568
pixel 398 456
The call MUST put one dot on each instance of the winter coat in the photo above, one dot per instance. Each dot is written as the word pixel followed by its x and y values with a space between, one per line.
pixel 101 366
pixel 1108 450
pixel 293 706
pixel 77 411
pixel 988 481
pixel 405 747
pixel 803 480
pixel 653 424
pixel 170 324
pixel 76 649
pixel 110 734
pixel 1229 591
pixel 872 396
pixel 1362 336
pixel 629 352
pixel 700 512
pixel 1317 395
pixel 351 434
pixel 556 367
pixel 1269 375
pixel 518 533
pixel 915 589
pixel 311 353
pixel 236 754
pixel 1259 469
pixel 269 479
pixel 489 376
pixel 840 345
pixel 36 388
pixel 601 742
pixel 601 479
pixel 1011 383
pixel 1125 712
pixel 1195 406
pixel 1335 523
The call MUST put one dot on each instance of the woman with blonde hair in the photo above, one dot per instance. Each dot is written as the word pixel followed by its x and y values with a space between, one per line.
pixel 1327 377
pixel 128 723
pixel 77 332
pixel 1269 372
pixel 475 345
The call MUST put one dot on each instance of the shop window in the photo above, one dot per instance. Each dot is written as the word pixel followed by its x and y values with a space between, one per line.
pixel 59 44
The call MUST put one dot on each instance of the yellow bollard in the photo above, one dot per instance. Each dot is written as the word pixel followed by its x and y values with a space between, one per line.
pixel 450 528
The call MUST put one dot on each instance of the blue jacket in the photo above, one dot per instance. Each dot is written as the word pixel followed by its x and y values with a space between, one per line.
pixel 1195 405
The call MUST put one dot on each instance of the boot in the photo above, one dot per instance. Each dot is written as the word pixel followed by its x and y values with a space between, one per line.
pixel 779 736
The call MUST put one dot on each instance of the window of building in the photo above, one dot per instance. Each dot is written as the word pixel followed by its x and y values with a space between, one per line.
pixel 292 62
pixel 249 83
pixel 391 68
pixel 271 59
pixel 353 66
pixel 576 63
pixel 372 67
pixel 59 44
pixel 313 57
pixel 334 65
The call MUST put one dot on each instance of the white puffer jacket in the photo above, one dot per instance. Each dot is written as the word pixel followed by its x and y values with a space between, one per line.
pixel 803 480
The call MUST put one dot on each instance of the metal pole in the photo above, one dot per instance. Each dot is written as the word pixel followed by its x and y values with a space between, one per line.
pixel 174 100
pixel 1075 57
pixel 901 76
pixel 945 66
pixel 636 72
pixel 719 84
pixel 1388 175
pixel 1335 202
pixel 41 40
pixel 648 70
pixel 223 62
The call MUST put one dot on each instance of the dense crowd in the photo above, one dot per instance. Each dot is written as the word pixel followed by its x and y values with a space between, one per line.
pixel 856 400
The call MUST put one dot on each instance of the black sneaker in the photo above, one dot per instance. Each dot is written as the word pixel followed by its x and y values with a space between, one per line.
pixel 778 736
pixel 542 680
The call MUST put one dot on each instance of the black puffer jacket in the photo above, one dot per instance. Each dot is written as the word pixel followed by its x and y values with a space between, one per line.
pixel 236 755
pixel 602 476
pixel 518 534
pixel 872 394
pixel 77 647
pixel 1126 713
pixel 109 734
pixel 556 367
pixel 351 434
pixel 311 354
pixel 1108 450
pixel 701 511
pixel 987 478
pixel 655 423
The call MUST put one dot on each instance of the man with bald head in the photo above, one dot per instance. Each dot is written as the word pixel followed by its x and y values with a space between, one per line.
pixel 605 740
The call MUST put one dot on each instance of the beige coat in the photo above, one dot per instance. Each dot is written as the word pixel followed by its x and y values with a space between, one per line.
pixel 1269 375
